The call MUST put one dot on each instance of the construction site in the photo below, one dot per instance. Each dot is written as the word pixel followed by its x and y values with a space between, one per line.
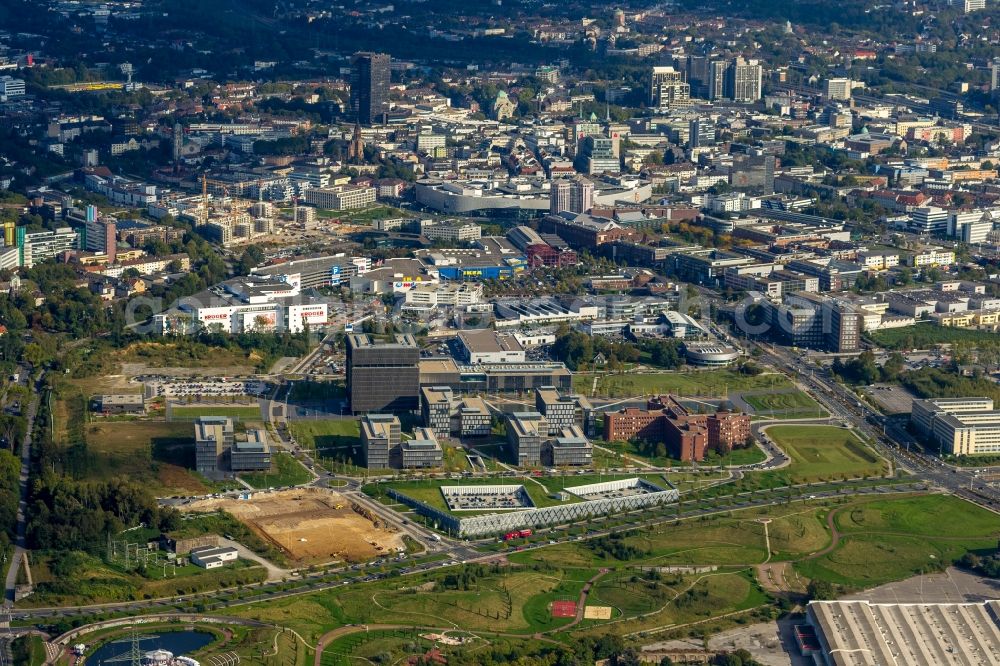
pixel 312 525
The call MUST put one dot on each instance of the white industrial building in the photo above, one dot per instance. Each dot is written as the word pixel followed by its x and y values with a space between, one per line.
pixel 212 557
pixel 244 304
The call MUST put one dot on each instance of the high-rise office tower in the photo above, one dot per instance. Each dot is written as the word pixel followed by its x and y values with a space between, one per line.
pixel 743 80
pixel 576 196
pixel 383 376
pixel 717 79
pixel 701 132
pixel 697 75
pixel 370 87
pixel 667 88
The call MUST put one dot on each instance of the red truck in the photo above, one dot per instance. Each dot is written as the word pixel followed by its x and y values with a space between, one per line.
pixel 520 534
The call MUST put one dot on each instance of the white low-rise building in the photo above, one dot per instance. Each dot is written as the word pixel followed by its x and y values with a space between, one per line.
pixel 212 557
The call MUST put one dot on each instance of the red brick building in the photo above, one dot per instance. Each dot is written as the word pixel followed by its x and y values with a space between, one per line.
pixel 688 436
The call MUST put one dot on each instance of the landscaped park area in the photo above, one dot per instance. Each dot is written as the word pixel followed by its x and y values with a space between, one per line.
pixel 664 578
pixel 821 452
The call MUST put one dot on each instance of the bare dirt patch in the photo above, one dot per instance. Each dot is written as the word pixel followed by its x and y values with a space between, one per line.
pixel 311 525
pixel 779 578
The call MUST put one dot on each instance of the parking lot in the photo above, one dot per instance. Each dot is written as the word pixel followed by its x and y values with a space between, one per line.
pixel 891 398
pixel 204 389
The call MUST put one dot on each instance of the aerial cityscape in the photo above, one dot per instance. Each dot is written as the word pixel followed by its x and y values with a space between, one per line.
pixel 487 332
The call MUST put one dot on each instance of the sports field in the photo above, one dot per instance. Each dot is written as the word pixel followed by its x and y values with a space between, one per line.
pixel 826 452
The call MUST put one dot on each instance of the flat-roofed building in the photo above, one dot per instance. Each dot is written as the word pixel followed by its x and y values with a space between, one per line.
pixel 383 376
pixel 526 432
pixel 862 633
pixel 560 411
pixel 422 451
pixel 960 426
pixel 213 437
pixel 436 409
pixel 571 448
pixel 213 557
pixel 119 404
pixel 488 346
pixel 687 435
pixel 252 455
pixel 474 419
pixel 380 435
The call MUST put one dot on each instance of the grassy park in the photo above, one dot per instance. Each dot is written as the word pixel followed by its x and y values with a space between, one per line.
pixel 886 540
pixel 826 452
pixel 704 383
pixel 787 405
pixel 704 567
pixel 330 438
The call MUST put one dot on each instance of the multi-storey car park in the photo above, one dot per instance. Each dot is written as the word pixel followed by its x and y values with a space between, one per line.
pixel 501 515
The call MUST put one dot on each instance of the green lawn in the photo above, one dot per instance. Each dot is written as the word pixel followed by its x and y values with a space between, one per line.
pixel 730 545
pixel 889 539
pixel 748 455
pixel 333 439
pixel 238 412
pixel 706 383
pixel 285 471
pixel 825 452
pixel 793 405
pixel 28 650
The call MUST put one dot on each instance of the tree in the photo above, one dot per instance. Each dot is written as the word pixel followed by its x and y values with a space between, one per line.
pixel 34 354
pixel 819 590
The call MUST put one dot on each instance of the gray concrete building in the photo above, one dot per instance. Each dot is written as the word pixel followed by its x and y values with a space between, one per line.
pixel 422 451
pixel 380 435
pixel 383 376
pixel 213 437
pixel 252 455
pixel 526 432
pixel 571 448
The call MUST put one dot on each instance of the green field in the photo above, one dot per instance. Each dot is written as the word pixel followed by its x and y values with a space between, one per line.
pixel 237 412
pixel 157 454
pixel 790 405
pixel 334 439
pixel 825 452
pixel 887 539
pixel 435 603
pixel 649 582
pixel 926 335
pixel 707 383
pixel 285 471
pixel 28 650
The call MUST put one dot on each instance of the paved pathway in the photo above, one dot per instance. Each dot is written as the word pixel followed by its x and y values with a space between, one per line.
pixel 22 507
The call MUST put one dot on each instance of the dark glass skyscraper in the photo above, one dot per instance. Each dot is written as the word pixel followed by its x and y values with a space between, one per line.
pixel 370 87
pixel 383 376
